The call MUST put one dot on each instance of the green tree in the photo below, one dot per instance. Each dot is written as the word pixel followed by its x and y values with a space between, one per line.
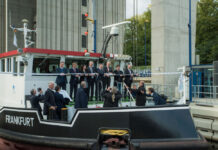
pixel 134 44
pixel 207 31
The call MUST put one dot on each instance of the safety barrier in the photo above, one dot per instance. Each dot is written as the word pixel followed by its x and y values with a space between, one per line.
pixel 203 91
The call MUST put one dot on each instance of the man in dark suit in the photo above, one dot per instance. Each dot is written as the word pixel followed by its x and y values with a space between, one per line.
pixel 107 80
pixel 61 79
pixel 129 74
pixel 141 94
pixel 158 100
pixel 49 103
pixel 59 100
pixel 34 100
pixel 81 97
pixel 74 80
pixel 99 81
pixel 91 79
pixel 118 79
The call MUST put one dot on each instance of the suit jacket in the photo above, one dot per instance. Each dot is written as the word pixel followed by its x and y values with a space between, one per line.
pixel 90 78
pixel 140 97
pixel 82 77
pixel 81 100
pixel 128 78
pixel 49 101
pixel 108 99
pixel 34 100
pixel 61 79
pixel 117 77
pixel 59 100
pixel 100 74
pixel 158 100
pixel 106 71
pixel 74 79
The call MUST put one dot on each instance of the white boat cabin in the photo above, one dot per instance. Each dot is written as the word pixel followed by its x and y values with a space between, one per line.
pixel 28 68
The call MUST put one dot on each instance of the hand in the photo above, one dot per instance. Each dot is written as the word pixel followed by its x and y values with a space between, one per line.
pixel 108 89
pixel 52 108
pixel 62 74
pixel 77 75
pixel 142 91
pixel 131 75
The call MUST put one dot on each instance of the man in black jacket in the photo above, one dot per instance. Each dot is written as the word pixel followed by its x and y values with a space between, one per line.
pixel 158 100
pixel 129 74
pixel 61 79
pixel 118 78
pixel 99 81
pixel 49 104
pixel 107 80
pixel 91 78
pixel 81 100
pixel 34 100
pixel 74 80
pixel 59 100
pixel 141 94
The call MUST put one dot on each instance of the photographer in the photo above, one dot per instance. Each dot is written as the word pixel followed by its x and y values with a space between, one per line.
pixel 112 97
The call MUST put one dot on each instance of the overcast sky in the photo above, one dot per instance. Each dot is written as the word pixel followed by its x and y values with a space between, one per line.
pixel 142 6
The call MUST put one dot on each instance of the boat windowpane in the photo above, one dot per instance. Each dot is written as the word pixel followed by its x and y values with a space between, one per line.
pixel 21 67
pixel 45 65
pixel 2 65
pixel 9 64
pixel 15 66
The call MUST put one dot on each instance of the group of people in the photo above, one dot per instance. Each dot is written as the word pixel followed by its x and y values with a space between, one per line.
pixel 97 79
pixel 140 95
pixel 54 99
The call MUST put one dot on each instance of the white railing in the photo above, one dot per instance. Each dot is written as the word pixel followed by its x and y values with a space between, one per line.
pixel 204 91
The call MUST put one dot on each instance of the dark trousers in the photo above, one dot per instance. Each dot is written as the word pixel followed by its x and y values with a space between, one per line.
pixel 107 82
pixel 98 89
pixel 62 85
pixel 129 85
pixel 73 89
pixel 91 84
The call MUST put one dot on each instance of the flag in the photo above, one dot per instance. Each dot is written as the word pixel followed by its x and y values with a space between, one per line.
pixel 15 40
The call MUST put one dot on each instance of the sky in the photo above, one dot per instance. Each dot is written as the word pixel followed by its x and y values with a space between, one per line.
pixel 142 6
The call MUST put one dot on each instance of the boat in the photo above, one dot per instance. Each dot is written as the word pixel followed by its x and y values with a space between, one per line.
pixel 151 128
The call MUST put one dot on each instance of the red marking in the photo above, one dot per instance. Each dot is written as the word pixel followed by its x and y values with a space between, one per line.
pixel 50 52
pixel 86 14
pixel 86 33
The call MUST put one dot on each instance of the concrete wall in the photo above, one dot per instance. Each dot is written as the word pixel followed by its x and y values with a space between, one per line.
pixel 16 11
pixel 170 44
pixel 59 24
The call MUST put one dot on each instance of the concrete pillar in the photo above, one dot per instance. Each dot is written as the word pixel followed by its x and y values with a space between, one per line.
pixel 170 44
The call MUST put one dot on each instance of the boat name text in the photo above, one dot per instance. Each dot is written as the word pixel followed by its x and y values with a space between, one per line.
pixel 18 120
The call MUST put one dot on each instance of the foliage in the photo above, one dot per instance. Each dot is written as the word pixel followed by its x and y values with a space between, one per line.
pixel 134 44
pixel 207 31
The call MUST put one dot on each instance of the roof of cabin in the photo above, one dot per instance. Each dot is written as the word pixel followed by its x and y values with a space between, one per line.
pixel 49 51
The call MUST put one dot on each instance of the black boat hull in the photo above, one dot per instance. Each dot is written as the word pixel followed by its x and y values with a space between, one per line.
pixel 151 128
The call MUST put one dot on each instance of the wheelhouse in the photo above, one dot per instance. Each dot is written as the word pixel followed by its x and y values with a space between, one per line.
pixel 23 70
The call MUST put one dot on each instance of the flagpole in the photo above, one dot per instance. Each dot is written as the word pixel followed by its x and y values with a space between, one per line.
pixel 6 25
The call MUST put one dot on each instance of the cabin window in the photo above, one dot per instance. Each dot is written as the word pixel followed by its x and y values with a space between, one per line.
pixel 45 65
pixel 9 64
pixel 21 67
pixel 3 65
pixel 84 40
pixel 14 66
